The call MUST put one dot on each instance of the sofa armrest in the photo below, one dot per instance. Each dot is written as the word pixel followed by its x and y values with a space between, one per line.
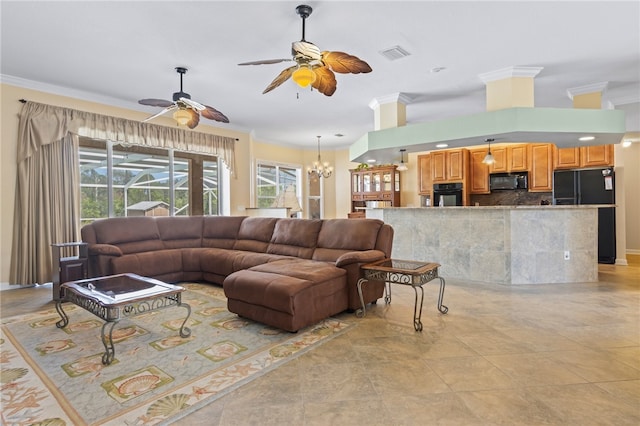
pixel 365 256
pixel 104 249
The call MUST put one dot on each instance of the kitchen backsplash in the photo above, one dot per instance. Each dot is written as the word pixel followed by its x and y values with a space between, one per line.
pixel 512 198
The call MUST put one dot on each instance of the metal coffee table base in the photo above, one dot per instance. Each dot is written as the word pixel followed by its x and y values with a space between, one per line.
pixel 112 315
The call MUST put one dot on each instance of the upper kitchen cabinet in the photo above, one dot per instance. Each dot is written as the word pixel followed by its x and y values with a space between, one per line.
pixel 596 156
pixel 585 156
pixel 424 174
pixel 509 158
pixel 450 165
pixel 541 167
pixel 566 158
pixel 478 183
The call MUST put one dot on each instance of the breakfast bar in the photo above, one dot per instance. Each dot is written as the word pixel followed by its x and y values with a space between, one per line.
pixel 500 244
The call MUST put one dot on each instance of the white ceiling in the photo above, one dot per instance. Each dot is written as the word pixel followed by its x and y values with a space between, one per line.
pixel 117 52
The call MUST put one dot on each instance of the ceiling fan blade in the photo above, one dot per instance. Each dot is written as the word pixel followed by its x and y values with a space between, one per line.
pixel 193 104
pixel 265 62
pixel 213 114
pixel 195 119
pixel 344 63
pixel 325 81
pixel 164 111
pixel 281 78
pixel 155 102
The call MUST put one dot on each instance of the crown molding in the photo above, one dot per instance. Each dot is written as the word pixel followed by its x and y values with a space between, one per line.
pixel 589 88
pixel 399 97
pixel 509 72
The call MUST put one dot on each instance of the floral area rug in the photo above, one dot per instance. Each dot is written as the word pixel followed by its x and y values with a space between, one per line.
pixel 55 376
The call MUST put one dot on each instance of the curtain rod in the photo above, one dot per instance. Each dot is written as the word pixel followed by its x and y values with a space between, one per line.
pixel 24 101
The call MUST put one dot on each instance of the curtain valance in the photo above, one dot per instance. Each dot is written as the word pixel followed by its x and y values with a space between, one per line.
pixel 42 124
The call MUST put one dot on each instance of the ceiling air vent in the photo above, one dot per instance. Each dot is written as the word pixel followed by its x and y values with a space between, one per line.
pixel 395 52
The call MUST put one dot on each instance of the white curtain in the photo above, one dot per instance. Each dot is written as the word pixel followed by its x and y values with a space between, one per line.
pixel 47 208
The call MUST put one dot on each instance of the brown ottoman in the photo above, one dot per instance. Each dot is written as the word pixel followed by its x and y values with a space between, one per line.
pixel 287 294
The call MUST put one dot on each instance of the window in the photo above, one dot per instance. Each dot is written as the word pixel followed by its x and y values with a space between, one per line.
pixel 139 181
pixel 273 179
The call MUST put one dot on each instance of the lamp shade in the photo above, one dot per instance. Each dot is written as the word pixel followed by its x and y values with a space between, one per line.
pixel 182 116
pixel 488 159
pixel 304 75
pixel 288 199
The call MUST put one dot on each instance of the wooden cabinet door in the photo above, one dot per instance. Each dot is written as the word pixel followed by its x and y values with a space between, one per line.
pixel 479 181
pixel 541 169
pixel 455 169
pixel 438 166
pixel 424 174
pixel 517 158
pixel 596 156
pixel 500 164
pixel 566 158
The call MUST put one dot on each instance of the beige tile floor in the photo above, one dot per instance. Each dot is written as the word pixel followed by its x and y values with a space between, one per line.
pixel 562 354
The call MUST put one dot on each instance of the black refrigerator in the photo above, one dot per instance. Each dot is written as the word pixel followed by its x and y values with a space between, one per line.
pixel 593 186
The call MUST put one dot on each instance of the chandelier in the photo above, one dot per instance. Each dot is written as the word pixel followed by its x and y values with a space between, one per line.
pixel 320 169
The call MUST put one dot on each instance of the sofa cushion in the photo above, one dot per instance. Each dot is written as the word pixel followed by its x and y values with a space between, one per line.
pixel 295 237
pixel 149 264
pixel 220 231
pixel 180 231
pixel 340 236
pixel 224 262
pixel 276 291
pixel 255 234
pixel 123 230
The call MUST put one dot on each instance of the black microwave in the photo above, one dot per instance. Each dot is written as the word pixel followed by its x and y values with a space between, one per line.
pixel 501 181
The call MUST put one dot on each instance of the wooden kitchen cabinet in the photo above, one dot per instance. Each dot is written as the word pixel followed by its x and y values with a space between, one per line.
pixel 374 184
pixel 424 175
pixel 509 158
pixel 566 158
pixel 596 156
pixel 449 166
pixel 541 167
pixel 518 157
pixel 584 156
pixel 500 164
pixel 478 183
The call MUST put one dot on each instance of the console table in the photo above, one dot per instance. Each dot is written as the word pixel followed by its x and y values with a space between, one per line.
pixel 405 272
pixel 113 297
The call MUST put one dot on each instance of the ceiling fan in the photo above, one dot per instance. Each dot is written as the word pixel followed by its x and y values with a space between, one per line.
pixel 187 112
pixel 314 67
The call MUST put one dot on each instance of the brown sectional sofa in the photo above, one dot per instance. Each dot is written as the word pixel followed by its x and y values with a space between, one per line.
pixel 287 273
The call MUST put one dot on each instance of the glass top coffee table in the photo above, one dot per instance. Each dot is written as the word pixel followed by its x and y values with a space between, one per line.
pixel 406 272
pixel 117 296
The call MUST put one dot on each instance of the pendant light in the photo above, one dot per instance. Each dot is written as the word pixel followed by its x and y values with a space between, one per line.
pixel 488 159
pixel 320 169
pixel 402 167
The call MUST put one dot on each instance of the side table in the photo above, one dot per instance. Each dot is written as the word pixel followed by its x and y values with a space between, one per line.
pixel 406 272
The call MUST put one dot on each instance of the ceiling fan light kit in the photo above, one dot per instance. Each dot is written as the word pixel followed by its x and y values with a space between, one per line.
pixel 313 67
pixel 303 76
pixel 182 116
pixel 186 112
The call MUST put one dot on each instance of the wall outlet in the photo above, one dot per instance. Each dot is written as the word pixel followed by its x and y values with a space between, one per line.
pixel 567 255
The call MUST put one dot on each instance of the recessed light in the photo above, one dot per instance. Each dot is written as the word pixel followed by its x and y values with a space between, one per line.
pixel 372 160
pixel 437 69
pixel 338 135
pixel 442 145
pixel 586 138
